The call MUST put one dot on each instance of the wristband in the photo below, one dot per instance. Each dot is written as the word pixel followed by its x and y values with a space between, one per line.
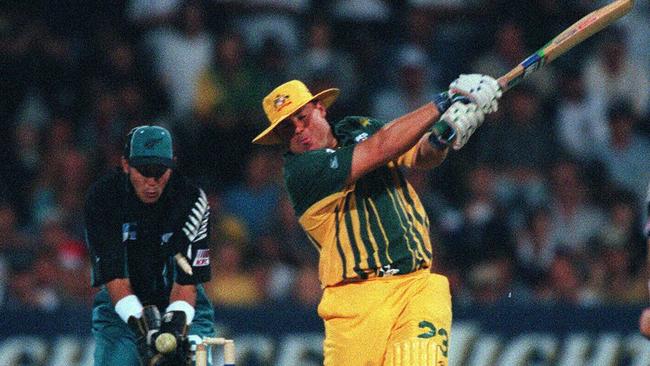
pixel 128 306
pixel 442 102
pixel 183 306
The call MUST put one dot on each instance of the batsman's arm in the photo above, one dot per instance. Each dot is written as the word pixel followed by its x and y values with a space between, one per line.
pixel 430 152
pixel 392 140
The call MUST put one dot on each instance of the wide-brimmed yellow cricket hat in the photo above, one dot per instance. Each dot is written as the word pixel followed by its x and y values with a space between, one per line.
pixel 283 101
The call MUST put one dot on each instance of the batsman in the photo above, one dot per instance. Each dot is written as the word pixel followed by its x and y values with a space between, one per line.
pixel 147 231
pixel 382 303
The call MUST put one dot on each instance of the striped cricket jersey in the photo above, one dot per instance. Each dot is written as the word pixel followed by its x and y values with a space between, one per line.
pixel 374 227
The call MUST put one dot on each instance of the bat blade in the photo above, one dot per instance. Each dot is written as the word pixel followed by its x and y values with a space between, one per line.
pixel 584 28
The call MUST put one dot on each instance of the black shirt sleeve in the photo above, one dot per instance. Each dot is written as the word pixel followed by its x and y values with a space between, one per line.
pixel 107 254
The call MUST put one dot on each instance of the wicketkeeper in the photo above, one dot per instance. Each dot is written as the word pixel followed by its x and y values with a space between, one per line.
pixel 138 218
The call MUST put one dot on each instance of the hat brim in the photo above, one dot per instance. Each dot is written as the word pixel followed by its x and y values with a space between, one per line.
pixel 269 137
pixel 151 160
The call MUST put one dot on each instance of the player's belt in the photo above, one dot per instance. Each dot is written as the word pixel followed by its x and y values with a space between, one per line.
pixel 399 268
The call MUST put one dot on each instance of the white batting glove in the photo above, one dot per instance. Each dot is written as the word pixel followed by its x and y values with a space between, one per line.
pixel 464 119
pixel 483 90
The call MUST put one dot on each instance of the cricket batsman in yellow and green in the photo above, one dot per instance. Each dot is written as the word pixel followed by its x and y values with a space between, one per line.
pixel 382 304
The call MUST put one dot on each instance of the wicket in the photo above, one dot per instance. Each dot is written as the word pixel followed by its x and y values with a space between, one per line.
pixel 228 351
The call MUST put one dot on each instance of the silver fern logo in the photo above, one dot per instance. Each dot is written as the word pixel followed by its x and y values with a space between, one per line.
pixel 196 226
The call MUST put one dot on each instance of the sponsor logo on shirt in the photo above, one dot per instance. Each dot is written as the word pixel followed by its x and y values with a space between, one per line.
pixel 128 231
pixel 387 271
pixel 165 238
pixel 202 258
pixel 361 137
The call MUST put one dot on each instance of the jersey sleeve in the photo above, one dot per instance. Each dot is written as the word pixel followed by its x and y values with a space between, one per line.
pixel 192 240
pixel 314 175
pixel 104 238
pixel 352 130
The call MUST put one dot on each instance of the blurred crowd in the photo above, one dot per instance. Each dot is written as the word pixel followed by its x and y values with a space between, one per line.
pixel 545 203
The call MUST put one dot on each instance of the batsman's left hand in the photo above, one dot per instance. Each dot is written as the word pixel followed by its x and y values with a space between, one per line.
pixel 481 89
pixel 464 119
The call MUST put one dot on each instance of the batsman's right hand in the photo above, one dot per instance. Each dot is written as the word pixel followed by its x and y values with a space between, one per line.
pixel 481 89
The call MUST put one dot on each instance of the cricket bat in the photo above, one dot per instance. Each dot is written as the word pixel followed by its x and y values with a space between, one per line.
pixel 584 28
pixel 579 31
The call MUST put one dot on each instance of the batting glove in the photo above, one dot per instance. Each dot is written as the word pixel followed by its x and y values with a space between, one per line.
pixel 483 90
pixel 444 100
pixel 464 119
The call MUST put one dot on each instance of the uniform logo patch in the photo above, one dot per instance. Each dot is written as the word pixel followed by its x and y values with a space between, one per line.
pixel 128 231
pixel 280 101
pixel 361 137
pixel 334 162
pixel 151 143
pixel 164 239
pixel 202 258
pixel 196 226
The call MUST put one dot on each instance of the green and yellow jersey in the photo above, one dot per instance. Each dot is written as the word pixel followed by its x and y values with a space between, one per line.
pixel 374 227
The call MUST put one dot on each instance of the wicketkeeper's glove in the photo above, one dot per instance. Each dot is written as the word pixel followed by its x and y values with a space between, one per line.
pixel 174 322
pixel 146 328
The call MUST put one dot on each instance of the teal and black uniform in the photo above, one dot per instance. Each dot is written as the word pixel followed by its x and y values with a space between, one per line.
pixel 128 239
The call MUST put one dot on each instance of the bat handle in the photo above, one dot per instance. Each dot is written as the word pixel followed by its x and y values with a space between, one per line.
pixel 443 133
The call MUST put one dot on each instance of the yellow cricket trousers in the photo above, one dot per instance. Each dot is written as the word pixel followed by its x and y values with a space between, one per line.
pixel 389 321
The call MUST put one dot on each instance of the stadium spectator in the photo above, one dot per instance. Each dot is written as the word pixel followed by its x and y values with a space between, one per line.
pixel 256 198
pixel 624 156
pixel 611 65
pixel 180 53
pixel 566 283
pixel 535 249
pixel 408 88
pixel 509 49
pixel 523 127
pixel 234 282
pixel 575 219
pixel 484 233
pixel 230 86
pixel 323 65
pixel 581 132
